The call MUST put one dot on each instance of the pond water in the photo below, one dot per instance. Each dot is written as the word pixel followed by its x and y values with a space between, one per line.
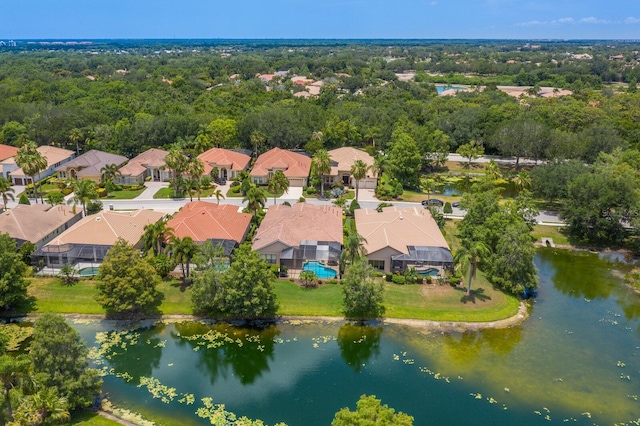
pixel 576 359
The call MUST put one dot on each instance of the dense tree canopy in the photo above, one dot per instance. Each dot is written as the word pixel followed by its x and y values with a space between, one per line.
pixel 13 285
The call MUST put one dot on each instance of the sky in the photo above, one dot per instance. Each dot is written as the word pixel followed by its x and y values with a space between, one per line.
pixel 428 19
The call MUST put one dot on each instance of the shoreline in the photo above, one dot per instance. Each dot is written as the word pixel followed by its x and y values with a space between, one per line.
pixel 429 325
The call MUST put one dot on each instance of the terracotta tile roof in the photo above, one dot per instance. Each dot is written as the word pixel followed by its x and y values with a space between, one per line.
pixel 302 221
pixel 295 165
pixel 105 227
pixel 90 163
pixel 346 156
pixel 53 155
pixel 398 228
pixel 202 221
pixel 19 221
pixel 217 157
pixel 7 151
pixel 136 166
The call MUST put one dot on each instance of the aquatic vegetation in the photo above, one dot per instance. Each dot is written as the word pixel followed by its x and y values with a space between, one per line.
pixel 217 415
pixel 158 390
pixel 124 414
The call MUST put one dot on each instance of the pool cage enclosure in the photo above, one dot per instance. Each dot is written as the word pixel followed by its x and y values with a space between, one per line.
pixel 50 258
pixel 422 257
pixel 327 252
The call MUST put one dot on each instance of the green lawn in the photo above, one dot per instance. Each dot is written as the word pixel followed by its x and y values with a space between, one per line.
pixel 87 418
pixel 124 195
pixel 555 232
pixel 164 193
pixel 408 301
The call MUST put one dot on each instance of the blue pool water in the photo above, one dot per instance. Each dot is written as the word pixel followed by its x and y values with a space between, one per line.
pixel 320 270
pixel 88 272
pixel 442 87
pixel 431 272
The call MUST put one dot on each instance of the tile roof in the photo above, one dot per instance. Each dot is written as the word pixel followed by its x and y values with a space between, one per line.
pixel 216 157
pixel 19 221
pixel 7 151
pixel 302 221
pixel 136 166
pixel 398 228
pixel 295 165
pixel 202 221
pixel 53 155
pixel 90 163
pixel 346 156
pixel 105 227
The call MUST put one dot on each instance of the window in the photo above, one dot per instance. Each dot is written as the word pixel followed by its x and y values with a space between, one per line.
pixel 257 180
pixel 270 258
pixel 377 264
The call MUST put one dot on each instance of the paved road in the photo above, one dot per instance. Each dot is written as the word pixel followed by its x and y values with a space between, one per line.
pixel 486 158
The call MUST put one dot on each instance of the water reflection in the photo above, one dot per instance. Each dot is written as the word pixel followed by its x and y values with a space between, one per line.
pixel 579 274
pixel 358 343
pixel 463 348
pixel 223 348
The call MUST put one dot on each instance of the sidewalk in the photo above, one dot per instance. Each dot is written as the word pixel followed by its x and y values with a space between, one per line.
pixel 152 188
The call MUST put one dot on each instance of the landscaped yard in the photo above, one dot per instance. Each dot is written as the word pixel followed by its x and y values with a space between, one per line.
pixel 123 195
pixel 432 302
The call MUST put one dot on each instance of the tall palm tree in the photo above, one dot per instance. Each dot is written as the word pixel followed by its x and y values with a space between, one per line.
pixel 255 199
pixel 183 251
pixel 155 234
pixel 353 243
pixel 195 168
pixel 379 165
pixel 257 140
pixel 278 183
pixel 6 191
pixel 522 181
pixel 177 162
pixel 467 258
pixel 32 163
pixel 192 183
pixel 359 171
pixel 218 194
pixel 13 372
pixel 83 191
pixel 75 136
pixel 492 170
pixel 109 173
pixel 320 166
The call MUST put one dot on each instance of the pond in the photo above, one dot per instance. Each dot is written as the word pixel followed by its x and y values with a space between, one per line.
pixel 575 359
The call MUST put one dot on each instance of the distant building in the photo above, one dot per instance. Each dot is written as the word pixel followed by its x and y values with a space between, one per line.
pixel 227 161
pixel 147 164
pixel 342 160
pixel 6 153
pixel 88 165
pixel 55 158
pixel 295 166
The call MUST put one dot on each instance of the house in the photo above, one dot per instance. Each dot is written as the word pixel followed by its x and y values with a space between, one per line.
pixel 295 166
pixel 228 162
pixel 6 153
pixel 147 164
pixel 291 236
pixel 86 243
pixel 202 221
pixel 401 238
pixel 342 160
pixel 50 220
pixel 55 158
pixel 89 165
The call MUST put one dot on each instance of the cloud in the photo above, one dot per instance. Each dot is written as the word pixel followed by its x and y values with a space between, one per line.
pixel 563 21
pixel 593 20
pixel 632 20
pixel 530 24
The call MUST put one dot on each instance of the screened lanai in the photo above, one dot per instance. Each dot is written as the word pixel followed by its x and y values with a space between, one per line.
pixel 327 252
pixel 422 257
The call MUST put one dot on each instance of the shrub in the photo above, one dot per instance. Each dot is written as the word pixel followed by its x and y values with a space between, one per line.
pixel 337 192
pixel 308 279
pixel 24 199
pixel 301 200
pixel 162 265
pixel 454 280
pixel 66 191
pixel 447 208
pixel 332 281
pixel 102 192
pixel 388 277
pixel 398 279
pixel 310 190
pixel 429 279
pixel 94 207
pixel 234 184
pixel 147 179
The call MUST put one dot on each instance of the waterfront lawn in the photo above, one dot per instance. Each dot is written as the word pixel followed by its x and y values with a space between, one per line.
pixel 556 233
pixel 51 295
pixel 88 418
pixel 322 301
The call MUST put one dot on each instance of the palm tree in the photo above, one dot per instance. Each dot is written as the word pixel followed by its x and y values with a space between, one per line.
pixel 379 165
pixel 467 258
pixel 203 142
pixel 155 234
pixel 109 173
pixel 32 163
pixel 218 194
pixel 13 372
pixel 522 181
pixel 45 405
pixel 6 191
pixel 75 136
pixel 353 244
pixel 177 163
pixel 195 168
pixel 492 170
pixel 320 166
pixel 359 171
pixel 257 140
pixel 255 199
pixel 192 183
pixel 278 183
pixel 83 191
pixel 183 250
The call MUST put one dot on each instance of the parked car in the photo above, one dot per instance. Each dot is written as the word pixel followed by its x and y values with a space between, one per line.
pixel 455 204
pixel 221 181
pixel 433 202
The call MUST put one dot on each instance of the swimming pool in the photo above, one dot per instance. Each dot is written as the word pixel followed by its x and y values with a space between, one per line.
pixel 320 270
pixel 88 272
pixel 431 272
